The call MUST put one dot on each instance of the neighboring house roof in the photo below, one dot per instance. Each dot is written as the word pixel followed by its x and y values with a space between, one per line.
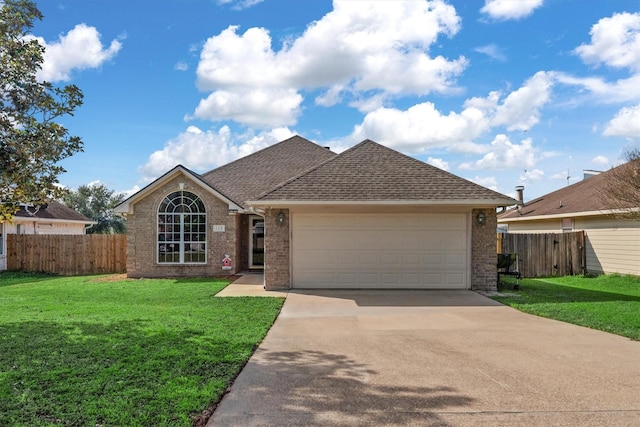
pixel 586 197
pixel 54 211
pixel 372 173
pixel 250 176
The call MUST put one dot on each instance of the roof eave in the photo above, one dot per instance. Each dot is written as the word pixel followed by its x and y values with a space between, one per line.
pixel 52 220
pixel 485 203
pixel 568 215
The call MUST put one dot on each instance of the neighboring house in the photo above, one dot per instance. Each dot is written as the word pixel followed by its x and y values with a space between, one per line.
pixel 612 241
pixel 52 218
pixel 369 217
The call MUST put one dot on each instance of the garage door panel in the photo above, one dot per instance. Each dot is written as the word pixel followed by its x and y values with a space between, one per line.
pixel 379 251
pixel 432 259
pixel 412 260
pixel 456 260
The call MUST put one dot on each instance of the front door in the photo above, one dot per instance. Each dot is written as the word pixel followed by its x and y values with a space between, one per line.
pixel 256 242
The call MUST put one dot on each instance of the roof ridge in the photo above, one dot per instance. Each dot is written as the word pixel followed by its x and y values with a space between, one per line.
pixel 307 171
pixel 226 165
pixel 423 164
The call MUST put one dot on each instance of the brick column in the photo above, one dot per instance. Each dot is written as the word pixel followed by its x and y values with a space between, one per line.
pixel 276 250
pixel 484 272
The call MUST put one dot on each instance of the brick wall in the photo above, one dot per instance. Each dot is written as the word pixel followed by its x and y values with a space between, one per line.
pixel 484 274
pixel 142 235
pixel 277 246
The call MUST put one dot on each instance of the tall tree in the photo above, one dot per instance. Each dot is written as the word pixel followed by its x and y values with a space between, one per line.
pixel 97 202
pixel 32 142
pixel 622 190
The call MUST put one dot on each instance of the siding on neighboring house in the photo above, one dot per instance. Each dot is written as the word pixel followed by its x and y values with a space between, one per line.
pixel 40 226
pixel 612 244
pixel 546 226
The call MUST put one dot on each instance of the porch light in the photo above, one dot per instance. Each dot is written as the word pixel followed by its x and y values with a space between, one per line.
pixel 281 218
pixel 480 219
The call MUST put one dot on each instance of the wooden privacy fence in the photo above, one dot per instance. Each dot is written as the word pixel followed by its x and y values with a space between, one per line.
pixel 551 254
pixel 67 254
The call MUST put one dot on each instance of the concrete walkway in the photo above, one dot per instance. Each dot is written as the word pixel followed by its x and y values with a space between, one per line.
pixel 249 285
pixel 445 358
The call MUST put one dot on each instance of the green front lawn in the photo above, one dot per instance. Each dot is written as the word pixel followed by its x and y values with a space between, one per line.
pixel 76 351
pixel 609 303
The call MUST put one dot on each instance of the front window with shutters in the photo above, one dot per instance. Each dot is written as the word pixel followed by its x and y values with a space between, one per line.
pixel 182 229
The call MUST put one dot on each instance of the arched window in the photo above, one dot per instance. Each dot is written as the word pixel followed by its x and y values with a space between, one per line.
pixel 182 229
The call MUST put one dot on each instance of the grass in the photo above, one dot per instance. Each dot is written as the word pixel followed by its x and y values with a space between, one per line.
pixel 76 351
pixel 608 303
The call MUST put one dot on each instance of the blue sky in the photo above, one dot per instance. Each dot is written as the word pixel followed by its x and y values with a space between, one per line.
pixel 502 93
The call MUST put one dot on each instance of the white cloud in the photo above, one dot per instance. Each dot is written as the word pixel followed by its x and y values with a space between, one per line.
pixel 600 161
pixel 561 175
pixel 257 107
pixel 503 10
pixel 204 150
pixel 330 97
pixel 615 42
pixel 488 182
pixel 182 66
pixel 626 123
pixel 376 49
pixel 439 163
pixel 422 127
pixel 79 49
pixel 521 108
pixel 506 155
pixel 622 90
pixel 531 175
pixel 492 51
pixel 130 192
pixel 240 4
pixel 369 104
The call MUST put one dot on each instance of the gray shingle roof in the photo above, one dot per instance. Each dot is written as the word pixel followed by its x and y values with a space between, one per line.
pixel 372 172
pixel 250 176
pixel 54 210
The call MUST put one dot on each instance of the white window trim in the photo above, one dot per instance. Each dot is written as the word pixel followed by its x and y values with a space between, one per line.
pixel 181 241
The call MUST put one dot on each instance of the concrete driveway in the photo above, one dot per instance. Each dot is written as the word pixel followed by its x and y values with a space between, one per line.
pixel 371 358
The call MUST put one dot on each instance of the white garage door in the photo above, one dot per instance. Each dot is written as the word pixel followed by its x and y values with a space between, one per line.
pixel 384 251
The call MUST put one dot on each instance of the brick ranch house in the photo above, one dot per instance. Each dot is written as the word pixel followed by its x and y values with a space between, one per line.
pixel 369 217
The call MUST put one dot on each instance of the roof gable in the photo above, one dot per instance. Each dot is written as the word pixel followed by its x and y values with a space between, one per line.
pixel 583 197
pixel 370 172
pixel 127 205
pixel 248 177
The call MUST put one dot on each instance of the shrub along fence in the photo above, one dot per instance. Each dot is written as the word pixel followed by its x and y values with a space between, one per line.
pixel 67 255
pixel 549 254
